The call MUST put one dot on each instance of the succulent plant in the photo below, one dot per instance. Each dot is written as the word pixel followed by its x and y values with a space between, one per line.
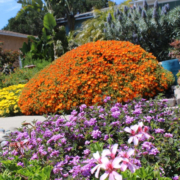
pixel 145 5
pixel 139 9
pixel 155 28
pixel 125 9
pixel 156 4
pixel 143 14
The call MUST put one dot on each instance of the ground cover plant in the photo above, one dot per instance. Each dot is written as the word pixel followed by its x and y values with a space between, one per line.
pixel 139 138
pixel 119 69
pixel 152 28
pixel 7 56
pixel 9 97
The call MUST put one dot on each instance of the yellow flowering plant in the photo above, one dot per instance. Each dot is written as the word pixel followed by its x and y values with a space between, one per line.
pixel 9 97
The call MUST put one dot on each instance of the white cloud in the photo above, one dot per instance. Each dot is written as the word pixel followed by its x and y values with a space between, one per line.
pixel 15 7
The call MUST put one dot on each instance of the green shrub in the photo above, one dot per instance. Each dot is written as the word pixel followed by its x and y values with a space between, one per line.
pixel 152 28
pixel 23 75
pixel 7 56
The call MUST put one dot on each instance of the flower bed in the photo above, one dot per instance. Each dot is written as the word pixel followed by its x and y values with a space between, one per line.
pixel 9 97
pixel 113 140
pixel 84 75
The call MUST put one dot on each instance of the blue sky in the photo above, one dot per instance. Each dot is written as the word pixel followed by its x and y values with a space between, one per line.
pixel 9 9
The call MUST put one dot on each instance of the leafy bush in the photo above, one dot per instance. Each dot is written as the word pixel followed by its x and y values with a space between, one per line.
pixel 20 76
pixel 7 56
pixel 151 129
pixel 23 75
pixel 119 69
pixel 9 97
pixel 21 169
pixel 152 28
pixel 175 52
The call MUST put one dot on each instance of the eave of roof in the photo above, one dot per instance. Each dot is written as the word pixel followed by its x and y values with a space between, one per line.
pixel 15 34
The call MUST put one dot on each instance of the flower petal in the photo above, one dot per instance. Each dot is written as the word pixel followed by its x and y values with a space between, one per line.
pixel 114 148
pixel 123 166
pixel 106 152
pixel 96 155
pixel 94 169
pixel 130 139
pixel 104 176
pixel 117 176
pixel 136 141
pixel 130 152
pixel 127 129
pixel 116 162
pixel 105 160
pixel 97 172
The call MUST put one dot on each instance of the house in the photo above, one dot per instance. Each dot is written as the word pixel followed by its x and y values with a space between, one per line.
pixel 80 18
pixel 13 41
pixel 172 3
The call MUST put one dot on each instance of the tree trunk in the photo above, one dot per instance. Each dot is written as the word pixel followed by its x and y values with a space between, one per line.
pixel 71 22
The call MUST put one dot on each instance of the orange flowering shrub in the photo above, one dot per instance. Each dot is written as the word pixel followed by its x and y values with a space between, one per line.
pixel 84 75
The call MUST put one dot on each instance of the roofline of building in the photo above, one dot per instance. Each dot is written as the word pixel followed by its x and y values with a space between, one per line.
pixel 14 34
pixel 152 1
pixel 86 15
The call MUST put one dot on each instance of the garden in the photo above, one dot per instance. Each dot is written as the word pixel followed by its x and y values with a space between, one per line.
pixel 119 124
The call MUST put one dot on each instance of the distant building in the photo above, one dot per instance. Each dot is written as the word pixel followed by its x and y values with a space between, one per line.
pixel 172 3
pixel 79 19
pixel 13 41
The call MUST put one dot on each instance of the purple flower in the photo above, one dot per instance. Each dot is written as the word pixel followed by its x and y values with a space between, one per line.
pixel 137 111
pixel 114 109
pixel 82 107
pixel 59 121
pixel 116 114
pixel 47 133
pixel 86 152
pixel 159 131
pixel 106 137
pixel 34 156
pixel 176 177
pixel 107 98
pixel 54 153
pixel 87 142
pixel 96 133
pixel 20 164
pixel 168 135
pixel 129 119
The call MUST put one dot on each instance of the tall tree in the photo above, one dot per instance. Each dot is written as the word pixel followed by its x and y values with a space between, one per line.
pixel 29 20
pixel 69 8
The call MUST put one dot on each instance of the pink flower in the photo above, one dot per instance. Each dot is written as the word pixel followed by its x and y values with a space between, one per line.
pixel 126 163
pixel 144 130
pixel 134 134
pixel 110 168
pixel 111 153
pixel 98 166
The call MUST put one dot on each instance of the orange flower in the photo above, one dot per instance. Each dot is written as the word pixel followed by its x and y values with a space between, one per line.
pixel 84 75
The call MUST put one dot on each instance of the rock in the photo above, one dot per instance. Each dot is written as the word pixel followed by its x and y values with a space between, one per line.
pixel 171 102
pixel 177 94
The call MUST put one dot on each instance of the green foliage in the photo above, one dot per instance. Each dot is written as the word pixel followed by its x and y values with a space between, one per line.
pixel 7 56
pixel 148 173
pixel 23 75
pixel 31 170
pixel 49 21
pixel 29 20
pixel 153 29
pixel 92 29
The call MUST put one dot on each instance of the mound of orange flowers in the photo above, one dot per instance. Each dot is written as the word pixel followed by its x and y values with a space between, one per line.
pixel 84 75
